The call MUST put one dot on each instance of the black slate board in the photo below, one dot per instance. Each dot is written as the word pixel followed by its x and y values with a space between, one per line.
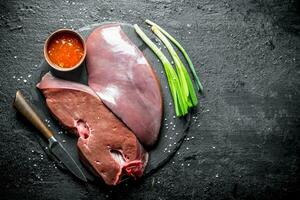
pixel 173 130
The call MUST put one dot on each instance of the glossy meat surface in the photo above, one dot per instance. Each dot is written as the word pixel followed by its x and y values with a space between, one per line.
pixel 105 144
pixel 125 81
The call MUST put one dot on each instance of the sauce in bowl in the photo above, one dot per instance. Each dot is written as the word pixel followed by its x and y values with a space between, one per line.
pixel 65 49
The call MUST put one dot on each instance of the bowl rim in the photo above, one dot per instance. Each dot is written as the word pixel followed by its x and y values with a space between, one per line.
pixel 59 31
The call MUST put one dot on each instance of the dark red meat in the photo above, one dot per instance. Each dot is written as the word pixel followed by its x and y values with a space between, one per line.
pixel 124 80
pixel 104 142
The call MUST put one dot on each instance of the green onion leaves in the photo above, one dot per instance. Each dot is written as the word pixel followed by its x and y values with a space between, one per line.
pixel 173 81
pixel 196 78
pixel 188 91
pixel 180 83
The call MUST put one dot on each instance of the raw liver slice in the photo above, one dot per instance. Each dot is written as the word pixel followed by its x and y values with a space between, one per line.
pixel 124 80
pixel 104 142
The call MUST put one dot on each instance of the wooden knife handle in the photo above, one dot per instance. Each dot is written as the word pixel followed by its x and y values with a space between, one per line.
pixel 28 112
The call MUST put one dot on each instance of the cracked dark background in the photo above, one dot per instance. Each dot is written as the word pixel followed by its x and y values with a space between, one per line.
pixel 244 140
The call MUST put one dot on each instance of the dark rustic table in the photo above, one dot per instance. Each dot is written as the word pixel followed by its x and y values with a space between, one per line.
pixel 244 139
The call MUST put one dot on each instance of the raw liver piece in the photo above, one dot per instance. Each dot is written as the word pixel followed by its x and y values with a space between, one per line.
pixel 124 80
pixel 104 142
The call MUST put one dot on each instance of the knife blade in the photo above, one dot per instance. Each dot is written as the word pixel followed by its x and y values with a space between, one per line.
pixel 55 147
pixel 62 155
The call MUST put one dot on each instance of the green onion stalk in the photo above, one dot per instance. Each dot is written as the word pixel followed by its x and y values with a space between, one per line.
pixel 188 90
pixel 179 46
pixel 173 81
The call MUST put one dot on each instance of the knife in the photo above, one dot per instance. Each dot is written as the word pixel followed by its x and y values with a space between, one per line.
pixel 55 147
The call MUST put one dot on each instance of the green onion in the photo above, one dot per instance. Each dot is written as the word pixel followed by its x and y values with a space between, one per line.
pixel 188 90
pixel 173 81
pixel 196 78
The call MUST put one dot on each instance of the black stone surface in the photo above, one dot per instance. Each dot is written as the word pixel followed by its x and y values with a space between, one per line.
pixel 244 141
pixel 172 132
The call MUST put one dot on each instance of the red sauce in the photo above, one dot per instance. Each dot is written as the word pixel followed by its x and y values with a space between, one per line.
pixel 65 50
